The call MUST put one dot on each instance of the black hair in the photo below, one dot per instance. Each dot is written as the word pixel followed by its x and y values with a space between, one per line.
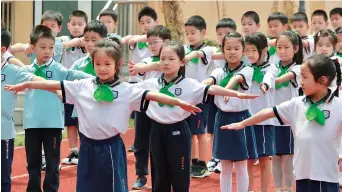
pixel 338 30
pixel 295 41
pixel 179 49
pixel 259 40
pixel 147 11
pixel 233 35
pixel 326 33
pixel 111 13
pixel 112 49
pixel 253 15
pixel 278 16
pixel 52 15
pixel 321 65
pixel 320 12
pixel 159 31
pixel 79 13
pixel 300 16
pixel 226 23
pixel 40 32
pixel 336 10
pixel 197 21
pixel 97 27
pixel 5 38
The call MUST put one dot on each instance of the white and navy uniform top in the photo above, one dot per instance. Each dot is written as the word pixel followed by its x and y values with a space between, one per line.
pixel 10 75
pixel 316 147
pixel 265 100
pixel 150 74
pixel 43 109
pixel 274 58
pixel 7 56
pixel 186 89
pixel 139 52
pixel 198 68
pixel 234 104
pixel 308 51
pixel 72 54
pixel 103 120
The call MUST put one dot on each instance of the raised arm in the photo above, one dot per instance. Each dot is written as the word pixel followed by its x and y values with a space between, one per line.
pixel 286 77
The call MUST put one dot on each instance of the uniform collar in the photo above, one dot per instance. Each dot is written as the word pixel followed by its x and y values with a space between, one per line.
pixel 240 66
pixel 116 81
pixel 47 64
pixel 326 99
pixel 176 80
pixel 198 48
pixel 262 65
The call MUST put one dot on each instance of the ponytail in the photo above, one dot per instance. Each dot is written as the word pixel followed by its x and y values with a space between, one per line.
pixel 338 76
pixel 299 57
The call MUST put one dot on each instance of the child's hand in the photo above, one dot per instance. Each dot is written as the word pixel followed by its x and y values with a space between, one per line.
pixel 132 68
pixel 16 88
pixel 28 50
pixel 186 59
pixel 190 108
pixel 126 39
pixel 234 126
pixel 263 87
pixel 133 40
pixel 246 96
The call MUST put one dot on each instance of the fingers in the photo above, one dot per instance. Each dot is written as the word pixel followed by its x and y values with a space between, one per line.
pixel 224 127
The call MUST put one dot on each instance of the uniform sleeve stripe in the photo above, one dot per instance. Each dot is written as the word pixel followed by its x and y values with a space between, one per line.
pixel 205 95
pixel 277 115
pixel 63 92
pixel 204 59
pixel 294 80
pixel 144 103
pixel 244 84
pixel 213 79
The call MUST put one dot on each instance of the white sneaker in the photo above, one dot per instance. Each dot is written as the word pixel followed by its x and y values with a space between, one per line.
pixel 212 164
pixel 218 168
pixel 72 159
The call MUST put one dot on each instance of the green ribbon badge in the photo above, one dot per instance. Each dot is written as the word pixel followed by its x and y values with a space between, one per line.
pixel 103 93
pixel 227 78
pixel 141 45
pixel 314 113
pixel 283 71
pixel 272 50
pixel 89 68
pixel 339 54
pixel 39 71
pixel 165 90
pixel 258 75
pixel 155 59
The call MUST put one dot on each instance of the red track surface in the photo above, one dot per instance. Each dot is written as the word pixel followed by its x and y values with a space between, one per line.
pixel 68 173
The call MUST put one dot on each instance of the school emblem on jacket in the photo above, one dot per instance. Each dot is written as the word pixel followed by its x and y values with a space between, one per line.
pixel 3 77
pixel 178 91
pixel 326 114
pixel 48 74
pixel 115 94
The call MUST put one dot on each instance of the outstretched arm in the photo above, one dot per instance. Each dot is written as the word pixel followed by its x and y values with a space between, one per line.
pixel 35 83
pixel 286 77
pixel 142 67
pixel 217 90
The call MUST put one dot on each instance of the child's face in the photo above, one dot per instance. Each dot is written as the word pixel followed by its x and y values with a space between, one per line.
pixel 252 53
pixel 301 27
pixel 90 39
pixel 109 22
pixel 194 35
pixel 233 50
pixel 53 25
pixel 221 32
pixel 146 23
pixel 275 28
pixel 104 66
pixel 285 49
pixel 336 21
pixel 249 26
pixel 324 46
pixel 307 81
pixel 43 49
pixel 170 62
pixel 318 23
pixel 76 26
pixel 339 43
pixel 155 44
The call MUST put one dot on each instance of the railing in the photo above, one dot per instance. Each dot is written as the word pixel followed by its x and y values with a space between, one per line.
pixel 7 12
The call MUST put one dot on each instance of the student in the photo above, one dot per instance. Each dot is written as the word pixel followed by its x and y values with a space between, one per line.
pixel 339 42
pixel 319 21
pixel 43 114
pixel 316 124
pixel 250 23
pixel 233 147
pixel 336 17
pixel 77 22
pixel 100 129
pixel 110 19
pixel 170 135
pixel 277 23
pixel 300 23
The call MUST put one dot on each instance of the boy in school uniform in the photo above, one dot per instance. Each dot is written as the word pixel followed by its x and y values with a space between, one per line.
pixel 250 23
pixel 336 17
pixel 319 21
pixel 77 22
pixel 43 113
pixel 110 19
pixel 300 23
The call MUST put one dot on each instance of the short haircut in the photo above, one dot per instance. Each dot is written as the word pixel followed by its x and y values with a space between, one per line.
pixel 5 38
pixel 278 16
pixel 336 10
pixel 52 15
pixel 299 16
pixel 97 27
pixel 253 15
pixel 111 13
pixel 40 32
pixel 320 12
pixel 159 31
pixel 226 23
pixel 79 13
pixel 147 11
pixel 197 21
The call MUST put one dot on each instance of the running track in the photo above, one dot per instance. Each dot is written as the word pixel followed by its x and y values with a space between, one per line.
pixel 68 172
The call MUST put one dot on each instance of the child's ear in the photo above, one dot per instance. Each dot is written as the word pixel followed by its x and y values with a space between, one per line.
pixel 323 80
pixel 258 26
pixel 3 49
pixel 32 47
pixel 60 28
pixel 68 26
pixel 156 22
pixel 204 32
pixel 263 52
pixel 286 26
pixel 296 48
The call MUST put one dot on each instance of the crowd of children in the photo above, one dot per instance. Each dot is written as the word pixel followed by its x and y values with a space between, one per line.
pixel 253 99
